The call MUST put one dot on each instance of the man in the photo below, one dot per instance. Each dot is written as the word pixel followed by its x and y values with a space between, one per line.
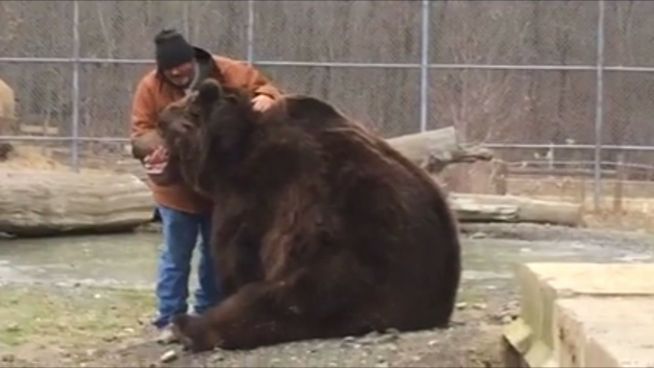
pixel 185 215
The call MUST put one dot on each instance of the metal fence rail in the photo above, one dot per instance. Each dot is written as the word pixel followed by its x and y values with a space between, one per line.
pixel 425 66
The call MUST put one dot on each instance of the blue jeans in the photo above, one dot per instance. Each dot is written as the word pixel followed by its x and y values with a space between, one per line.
pixel 180 232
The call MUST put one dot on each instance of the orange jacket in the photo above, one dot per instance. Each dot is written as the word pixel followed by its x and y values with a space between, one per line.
pixel 153 94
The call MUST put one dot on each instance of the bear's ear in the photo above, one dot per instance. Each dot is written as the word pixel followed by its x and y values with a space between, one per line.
pixel 209 92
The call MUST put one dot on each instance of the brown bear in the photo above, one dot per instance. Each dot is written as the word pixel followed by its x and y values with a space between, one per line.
pixel 320 228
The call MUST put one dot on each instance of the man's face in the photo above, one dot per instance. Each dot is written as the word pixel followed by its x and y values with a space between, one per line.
pixel 180 75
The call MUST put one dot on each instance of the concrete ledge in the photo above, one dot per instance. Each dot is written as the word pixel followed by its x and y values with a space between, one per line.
pixel 584 315
pixel 605 332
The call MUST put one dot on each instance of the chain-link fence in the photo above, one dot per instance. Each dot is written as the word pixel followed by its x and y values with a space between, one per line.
pixel 567 81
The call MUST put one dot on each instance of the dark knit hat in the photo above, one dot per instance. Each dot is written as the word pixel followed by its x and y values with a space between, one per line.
pixel 172 49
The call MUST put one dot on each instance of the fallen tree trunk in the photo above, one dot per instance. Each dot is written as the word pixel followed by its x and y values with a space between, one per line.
pixel 38 203
pixel 504 208
pixel 44 202
pixel 432 150
pixel 435 149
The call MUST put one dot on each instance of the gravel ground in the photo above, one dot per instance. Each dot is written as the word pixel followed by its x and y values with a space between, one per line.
pixel 616 239
pixel 471 341
pixel 487 301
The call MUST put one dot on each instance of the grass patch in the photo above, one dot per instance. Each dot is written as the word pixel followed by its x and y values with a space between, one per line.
pixel 71 320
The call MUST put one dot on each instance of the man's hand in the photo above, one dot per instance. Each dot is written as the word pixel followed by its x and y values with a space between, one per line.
pixel 156 162
pixel 262 103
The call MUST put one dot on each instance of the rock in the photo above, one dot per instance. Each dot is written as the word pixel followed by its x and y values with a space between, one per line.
pixel 508 312
pixel 347 341
pixel 376 338
pixel 168 356
pixel 393 331
pixel 385 339
pixel 369 338
pixel 461 305
pixel 480 306
pixel 110 338
pixel 432 342
pixel 13 327
pixel 479 235
pixel 391 335
pixel 67 362
pixel 514 306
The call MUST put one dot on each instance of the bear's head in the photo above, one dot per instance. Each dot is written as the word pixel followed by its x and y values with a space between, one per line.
pixel 206 131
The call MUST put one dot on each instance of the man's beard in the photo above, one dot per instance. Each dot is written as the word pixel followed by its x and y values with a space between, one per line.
pixel 185 86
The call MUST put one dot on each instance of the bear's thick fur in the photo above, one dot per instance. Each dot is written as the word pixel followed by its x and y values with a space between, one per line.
pixel 320 228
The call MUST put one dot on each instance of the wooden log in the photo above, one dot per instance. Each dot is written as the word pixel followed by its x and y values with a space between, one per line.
pixel 435 149
pixel 432 150
pixel 507 208
pixel 41 202
pixel 45 202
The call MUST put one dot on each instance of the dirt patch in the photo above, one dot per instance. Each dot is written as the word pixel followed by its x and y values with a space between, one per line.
pixel 598 235
pixel 627 220
pixel 471 341
pixel 45 326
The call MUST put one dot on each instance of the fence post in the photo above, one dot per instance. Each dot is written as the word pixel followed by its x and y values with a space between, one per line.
pixel 186 21
pixel 75 91
pixel 250 32
pixel 618 186
pixel 599 108
pixel 424 66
